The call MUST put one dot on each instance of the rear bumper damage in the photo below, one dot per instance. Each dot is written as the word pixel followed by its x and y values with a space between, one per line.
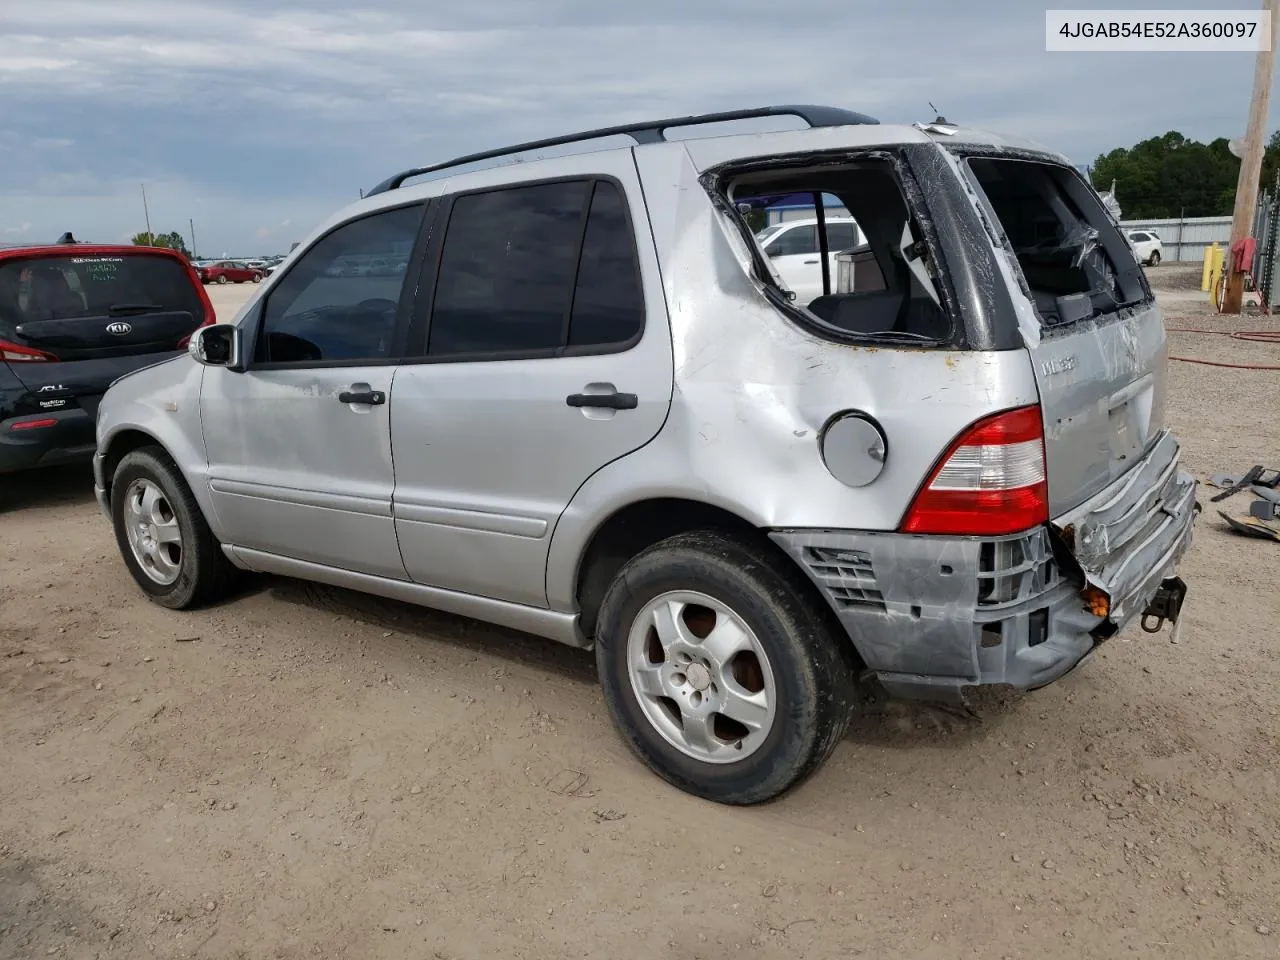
pixel 933 617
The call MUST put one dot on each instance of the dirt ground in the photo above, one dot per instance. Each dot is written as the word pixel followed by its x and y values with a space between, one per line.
pixel 303 772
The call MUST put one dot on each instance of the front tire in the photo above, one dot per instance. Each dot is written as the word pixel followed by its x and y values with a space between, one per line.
pixel 222 278
pixel 162 535
pixel 719 671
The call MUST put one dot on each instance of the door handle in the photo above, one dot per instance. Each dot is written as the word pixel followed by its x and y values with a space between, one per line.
pixel 810 261
pixel 606 401
pixel 371 397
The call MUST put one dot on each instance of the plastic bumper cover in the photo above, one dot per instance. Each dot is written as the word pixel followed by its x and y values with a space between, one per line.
pixel 935 616
pixel 68 439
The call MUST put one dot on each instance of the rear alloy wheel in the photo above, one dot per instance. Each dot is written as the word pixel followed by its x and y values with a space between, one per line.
pixel 718 670
pixel 222 278
pixel 1155 258
pixel 163 536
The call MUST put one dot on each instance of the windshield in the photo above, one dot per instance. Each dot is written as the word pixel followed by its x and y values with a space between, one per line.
pixel 69 287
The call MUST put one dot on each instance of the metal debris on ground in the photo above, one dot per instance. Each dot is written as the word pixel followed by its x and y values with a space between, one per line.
pixel 1262 519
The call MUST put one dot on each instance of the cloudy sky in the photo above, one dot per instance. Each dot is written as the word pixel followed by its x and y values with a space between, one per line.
pixel 257 118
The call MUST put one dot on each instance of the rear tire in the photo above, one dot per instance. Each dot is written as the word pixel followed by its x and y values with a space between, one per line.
pixel 257 278
pixel 163 536
pixel 704 621
pixel 1155 258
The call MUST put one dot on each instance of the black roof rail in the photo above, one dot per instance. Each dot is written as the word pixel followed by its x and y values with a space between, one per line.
pixel 647 131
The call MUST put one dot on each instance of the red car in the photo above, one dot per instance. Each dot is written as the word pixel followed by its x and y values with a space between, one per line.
pixel 74 317
pixel 227 271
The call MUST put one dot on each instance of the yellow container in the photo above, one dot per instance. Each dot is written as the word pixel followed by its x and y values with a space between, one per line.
pixel 1215 258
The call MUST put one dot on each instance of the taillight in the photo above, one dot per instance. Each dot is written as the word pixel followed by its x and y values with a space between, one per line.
pixel 990 482
pixel 16 354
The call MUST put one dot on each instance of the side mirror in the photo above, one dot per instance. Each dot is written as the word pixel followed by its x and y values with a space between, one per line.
pixel 218 345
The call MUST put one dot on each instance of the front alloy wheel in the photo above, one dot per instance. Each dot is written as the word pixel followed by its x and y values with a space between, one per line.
pixel 152 531
pixel 163 537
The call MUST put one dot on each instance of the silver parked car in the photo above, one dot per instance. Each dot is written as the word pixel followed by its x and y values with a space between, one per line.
pixel 585 405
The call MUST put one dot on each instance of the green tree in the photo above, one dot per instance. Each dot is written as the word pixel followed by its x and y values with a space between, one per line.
pixel 1171 176
pixel 173 240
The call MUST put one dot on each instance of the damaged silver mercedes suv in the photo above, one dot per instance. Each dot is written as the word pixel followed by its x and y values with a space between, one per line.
pixel 586 404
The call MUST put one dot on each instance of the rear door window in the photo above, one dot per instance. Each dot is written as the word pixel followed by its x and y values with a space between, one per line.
pixel 797 241
pixel 841 236
pixel 537 270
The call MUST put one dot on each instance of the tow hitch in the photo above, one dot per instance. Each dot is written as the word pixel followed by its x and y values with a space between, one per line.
pixel 1165 605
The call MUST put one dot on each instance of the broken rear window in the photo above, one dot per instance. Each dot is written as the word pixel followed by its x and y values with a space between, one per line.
pixel 1075 263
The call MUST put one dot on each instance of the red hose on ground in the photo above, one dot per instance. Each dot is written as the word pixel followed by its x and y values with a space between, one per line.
pixel 1256 336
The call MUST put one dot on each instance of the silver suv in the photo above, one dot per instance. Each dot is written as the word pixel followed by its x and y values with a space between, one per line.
pixel 583 404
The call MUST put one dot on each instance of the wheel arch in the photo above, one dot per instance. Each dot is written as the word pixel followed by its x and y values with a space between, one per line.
pixel 175 446
pixel 634 527
pixel 120 445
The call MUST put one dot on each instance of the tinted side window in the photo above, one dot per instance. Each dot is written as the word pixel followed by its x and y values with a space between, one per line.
pixel 795 242
pixel 608 306
pixel 330 305
pixel 507 270
pixel 841 236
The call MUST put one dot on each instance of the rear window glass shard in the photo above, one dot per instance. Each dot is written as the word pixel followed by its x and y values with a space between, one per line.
pixel 884 287
pixel 80 307
pixel 1074 260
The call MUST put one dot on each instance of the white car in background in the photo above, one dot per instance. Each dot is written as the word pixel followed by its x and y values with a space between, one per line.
pixel 1146 244
pixel 792 248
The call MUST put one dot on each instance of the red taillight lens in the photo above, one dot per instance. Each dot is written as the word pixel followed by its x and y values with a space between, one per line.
pixel 33 424
pixel 16 354
pixel 990 482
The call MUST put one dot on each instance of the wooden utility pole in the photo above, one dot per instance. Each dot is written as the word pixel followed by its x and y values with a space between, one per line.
pixel 147 214
pixel 1251 162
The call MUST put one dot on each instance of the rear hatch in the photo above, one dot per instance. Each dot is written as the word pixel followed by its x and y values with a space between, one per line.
pixel 1097 344
pixel 1097 339
pixel 71 323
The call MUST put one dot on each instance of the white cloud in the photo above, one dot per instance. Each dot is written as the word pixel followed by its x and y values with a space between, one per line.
pixel 259 114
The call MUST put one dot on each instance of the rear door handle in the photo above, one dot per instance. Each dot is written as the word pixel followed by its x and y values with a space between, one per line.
pixel 371 397
pixel 605 401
